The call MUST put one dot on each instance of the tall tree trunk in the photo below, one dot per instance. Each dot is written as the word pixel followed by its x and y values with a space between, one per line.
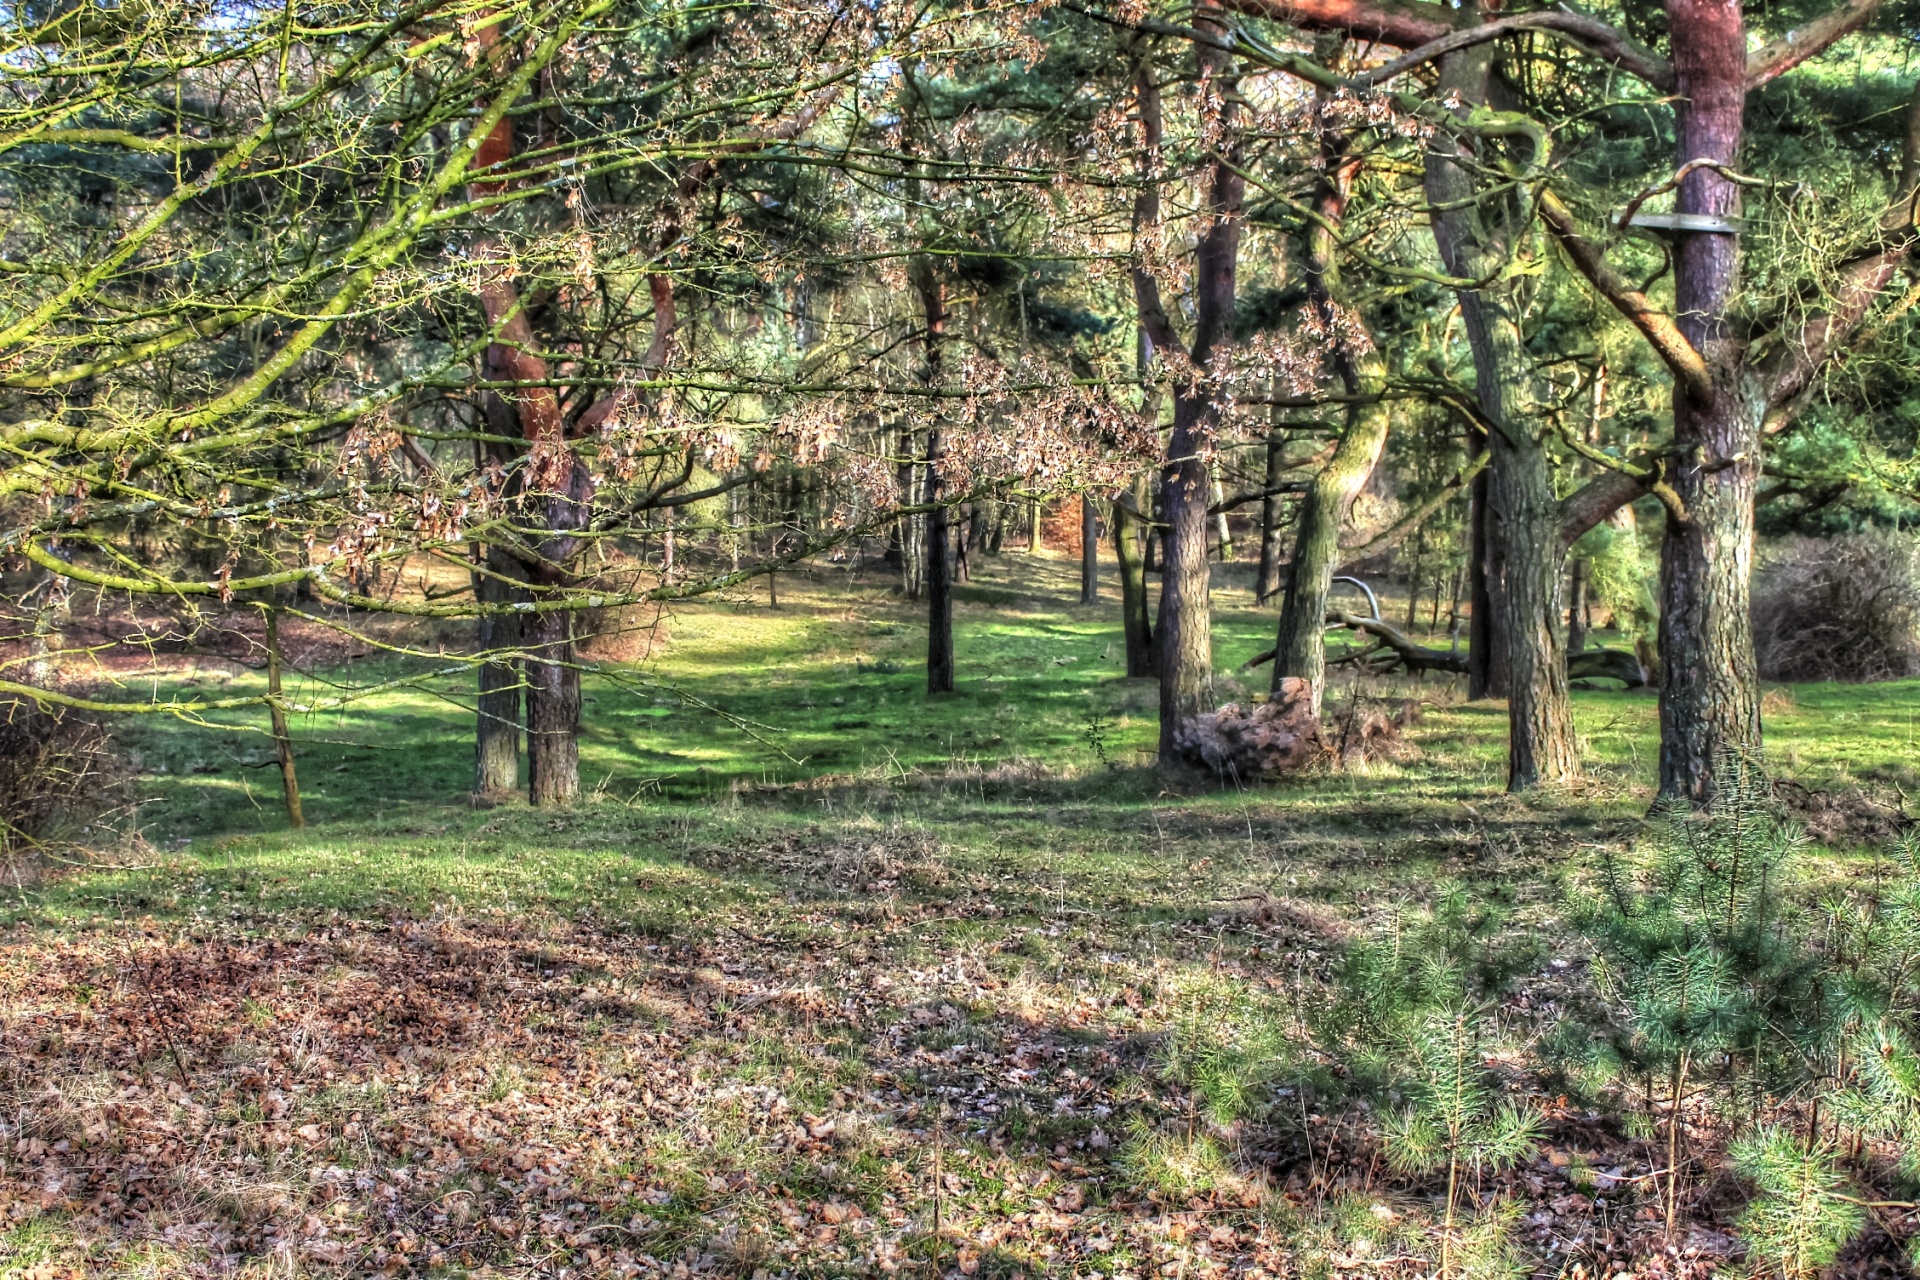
pixel 1486 638
pixel 1300 646
pixel 1185 631
pixel 933 304
pixel 1519 491
pixel 1136 618
pixel 1709 687
pixel 1267 579
pixel 1089 550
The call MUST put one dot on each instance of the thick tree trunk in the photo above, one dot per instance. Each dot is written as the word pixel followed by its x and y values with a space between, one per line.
pixel 1267 579
pixel 1709 697
pixel 1136 619
pixel 1089 550
pixel 1539 710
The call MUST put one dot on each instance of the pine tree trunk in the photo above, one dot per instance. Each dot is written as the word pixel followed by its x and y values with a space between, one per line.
pixel 939 578
pixel 496 765
pixel 553 709
pixel 1136 619
pixel 1185 629
pixel 1520 522
pixel 1709 686
pixel 1540 746
pixel 1300 645
pixel 1267 579
pixel 1089 551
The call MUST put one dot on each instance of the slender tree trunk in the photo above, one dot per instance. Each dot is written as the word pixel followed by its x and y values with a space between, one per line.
pixel 1222 532
pixel 496 770
pixel 277 711
pixel 1136 618
pixel 1034 532
pixel 1577 607
pixel 1519 492
pixel 1486 639
pixel 1267 579
pixel 1709 687
pixel 1089 550
pixel 553 709
pixel 1300 645
pixel 939 576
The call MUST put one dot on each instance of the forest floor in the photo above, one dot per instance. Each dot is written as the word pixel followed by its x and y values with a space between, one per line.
pixel 825 978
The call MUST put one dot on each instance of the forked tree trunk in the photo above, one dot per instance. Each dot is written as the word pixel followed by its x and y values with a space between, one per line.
pixel 1089 551
pixel 1136 618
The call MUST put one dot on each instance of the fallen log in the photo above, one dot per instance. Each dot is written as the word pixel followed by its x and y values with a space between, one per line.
pixel 1414 657
pixel 1607 664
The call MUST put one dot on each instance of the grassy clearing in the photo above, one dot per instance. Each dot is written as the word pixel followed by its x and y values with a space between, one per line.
pixel 958 988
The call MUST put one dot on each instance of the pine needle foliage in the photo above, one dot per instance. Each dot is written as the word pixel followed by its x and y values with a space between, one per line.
pixel 1801 1215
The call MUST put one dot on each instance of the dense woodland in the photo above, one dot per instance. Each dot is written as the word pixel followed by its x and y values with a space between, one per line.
pixel 1376 379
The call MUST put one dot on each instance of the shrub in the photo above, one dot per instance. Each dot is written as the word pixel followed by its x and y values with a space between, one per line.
pixel 1845 608
pixel 52 759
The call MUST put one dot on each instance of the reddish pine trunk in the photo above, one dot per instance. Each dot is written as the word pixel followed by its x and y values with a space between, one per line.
pixel 1709 703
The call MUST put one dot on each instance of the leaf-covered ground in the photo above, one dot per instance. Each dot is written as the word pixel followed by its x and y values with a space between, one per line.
pixel 973 1015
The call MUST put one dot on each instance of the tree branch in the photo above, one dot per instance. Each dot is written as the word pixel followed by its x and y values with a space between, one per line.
pixel 1590 34
pixel 1659 329
pixel 1777 57
pixel 1404 24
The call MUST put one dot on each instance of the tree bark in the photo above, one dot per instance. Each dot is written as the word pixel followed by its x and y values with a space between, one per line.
pixel 1577 607
pixel 1521 517
pixel 1300 645
pixel 496 765
pixel 1267 578
pixel 553 709
pixel 1709 694
pixel 1089 550
pixel 1136 620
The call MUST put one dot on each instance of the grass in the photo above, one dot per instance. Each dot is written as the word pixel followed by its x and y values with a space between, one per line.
pixel 837 979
